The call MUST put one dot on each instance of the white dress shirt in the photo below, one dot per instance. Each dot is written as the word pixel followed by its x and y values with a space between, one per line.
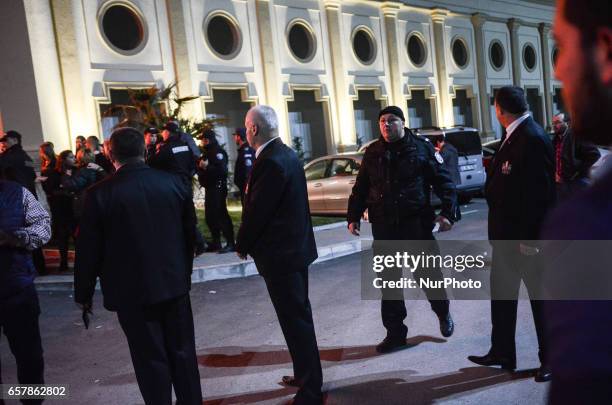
pixel 512 127
pixel 261 148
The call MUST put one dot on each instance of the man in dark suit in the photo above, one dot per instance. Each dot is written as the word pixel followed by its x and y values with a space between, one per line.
pixel 573 159
pixel 277 232
pixel 519 190
pixel 149 292
pixel 579 331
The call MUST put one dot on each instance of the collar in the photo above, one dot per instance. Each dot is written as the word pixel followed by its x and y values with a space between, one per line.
pixel 261 148
pixel 513 126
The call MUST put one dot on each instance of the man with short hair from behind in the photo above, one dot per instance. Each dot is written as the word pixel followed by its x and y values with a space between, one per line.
pixel 149 292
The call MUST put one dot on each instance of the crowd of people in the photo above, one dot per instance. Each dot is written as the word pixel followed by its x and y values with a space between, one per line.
pixel 536 189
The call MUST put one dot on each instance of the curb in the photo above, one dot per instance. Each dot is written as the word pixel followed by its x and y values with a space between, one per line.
pixel 201 274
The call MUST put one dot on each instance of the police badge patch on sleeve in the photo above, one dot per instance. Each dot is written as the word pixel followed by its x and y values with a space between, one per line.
pixel 439 157
pixel 248 163
pixel 219 156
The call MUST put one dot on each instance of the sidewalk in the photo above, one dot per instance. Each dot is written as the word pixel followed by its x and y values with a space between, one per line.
pixel 333 241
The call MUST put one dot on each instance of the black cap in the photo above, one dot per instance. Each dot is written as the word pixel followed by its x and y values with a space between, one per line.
pixel 11 134
pixel 151 130
pixel 241 132
pixel 171 126
pixel 209 134
pixel 392 110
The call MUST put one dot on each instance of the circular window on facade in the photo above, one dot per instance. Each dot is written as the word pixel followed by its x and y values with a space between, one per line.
pixel 417 52
pixel 364 45
pixel 302 41
pixel 223 35
pixel 123 28
pixel 497 55
pixel 460 52
pixel 529 57
pixel 555 55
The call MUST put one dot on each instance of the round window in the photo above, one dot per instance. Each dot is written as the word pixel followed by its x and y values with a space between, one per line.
pixel 529 57
pixel 122 28
pixel 302 42
pixel 223 35
pixel 497 56
pixel 364 46
pixel 555 55
pixel 416 50
pixel 460 53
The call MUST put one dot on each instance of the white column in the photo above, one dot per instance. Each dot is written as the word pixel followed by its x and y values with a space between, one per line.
pixel 445 115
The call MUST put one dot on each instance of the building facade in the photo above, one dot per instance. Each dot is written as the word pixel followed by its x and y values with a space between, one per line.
pixel 326 66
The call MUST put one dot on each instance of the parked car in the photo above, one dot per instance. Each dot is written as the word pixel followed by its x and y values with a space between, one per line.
pixel 467 142
pixel 330 180
pixel 596 169
pixel 489 149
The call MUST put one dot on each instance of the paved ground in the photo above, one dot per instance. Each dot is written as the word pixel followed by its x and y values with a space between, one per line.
pixel 242 353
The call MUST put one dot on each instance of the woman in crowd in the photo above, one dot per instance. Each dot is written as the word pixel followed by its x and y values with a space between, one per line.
pixel 86 174
pixel 63 217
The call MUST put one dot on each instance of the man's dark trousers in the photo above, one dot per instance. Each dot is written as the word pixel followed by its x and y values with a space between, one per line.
pixel 19 323
pixel 393 307
pixel 289 295
pixel 162 346
pixel 509 268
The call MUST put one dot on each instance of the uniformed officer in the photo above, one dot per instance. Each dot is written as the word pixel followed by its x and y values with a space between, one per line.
pixel 150 137
pixel 244 161
pixel 174 156
pixel 212 174
pixel 396 174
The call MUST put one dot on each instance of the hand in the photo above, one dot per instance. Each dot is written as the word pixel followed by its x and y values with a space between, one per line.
pixel 366 216
pixel 444 223
pixel 203 164
pixel 354 228
pixel 40 179
pixel 527 250
pixel 242 256
pixel 86 306
pixel 69 172
pixel 94 166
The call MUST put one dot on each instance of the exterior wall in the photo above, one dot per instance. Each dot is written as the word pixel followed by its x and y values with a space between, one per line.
pixel 265 70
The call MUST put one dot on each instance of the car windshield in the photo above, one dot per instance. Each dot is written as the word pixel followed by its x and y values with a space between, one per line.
pixel 467 143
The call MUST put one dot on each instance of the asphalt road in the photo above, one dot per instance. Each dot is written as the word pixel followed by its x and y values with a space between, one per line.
pixel 242 355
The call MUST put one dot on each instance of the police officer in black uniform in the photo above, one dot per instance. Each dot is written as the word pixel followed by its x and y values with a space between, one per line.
pixel 212 174
pixel 150 136
pixel 396 174
pixel 174 156
pixel 244 161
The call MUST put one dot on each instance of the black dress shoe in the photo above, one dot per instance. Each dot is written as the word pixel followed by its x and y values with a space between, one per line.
pixel 228 248
pixel 491 360
pixel 290 381
pixel 543 374
pixel 390 344
pixel 447 326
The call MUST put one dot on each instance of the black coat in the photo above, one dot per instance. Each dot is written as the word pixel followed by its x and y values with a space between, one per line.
pixel 19 167
pixel 136 234
pixel 76 185
pixel 395 179
pixel 520 187
pixel 104 163
pixel 276 227
pixel 577 157
pixel 174 156
pixel 451 161
pixel 243 166
pixel 214 176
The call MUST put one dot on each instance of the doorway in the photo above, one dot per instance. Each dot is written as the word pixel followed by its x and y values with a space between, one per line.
pixel 307 125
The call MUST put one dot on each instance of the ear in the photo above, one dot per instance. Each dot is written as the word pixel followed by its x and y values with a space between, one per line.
pixel 603 55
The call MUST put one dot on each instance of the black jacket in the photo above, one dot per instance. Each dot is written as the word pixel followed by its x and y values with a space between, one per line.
pixel 243 166
pixel 19 167
pixel 577 157
pixel 214 176
pixel 136 234
pixel 520 187
pixel 104 163
pixel 395 179
pixel 276 227
pixel 451 161
pixel 174 156
pixel 76 184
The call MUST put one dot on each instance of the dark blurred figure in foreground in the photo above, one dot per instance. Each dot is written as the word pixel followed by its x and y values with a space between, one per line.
pixel 579 332
pixel 244 161
pixel 150 293
pixel 212 175
pixel 573 159
pixel 24 227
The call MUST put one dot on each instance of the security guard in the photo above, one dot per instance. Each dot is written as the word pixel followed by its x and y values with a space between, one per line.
pixel 244 161
pixel 212 175
pixel 393 183
pixel 174 156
